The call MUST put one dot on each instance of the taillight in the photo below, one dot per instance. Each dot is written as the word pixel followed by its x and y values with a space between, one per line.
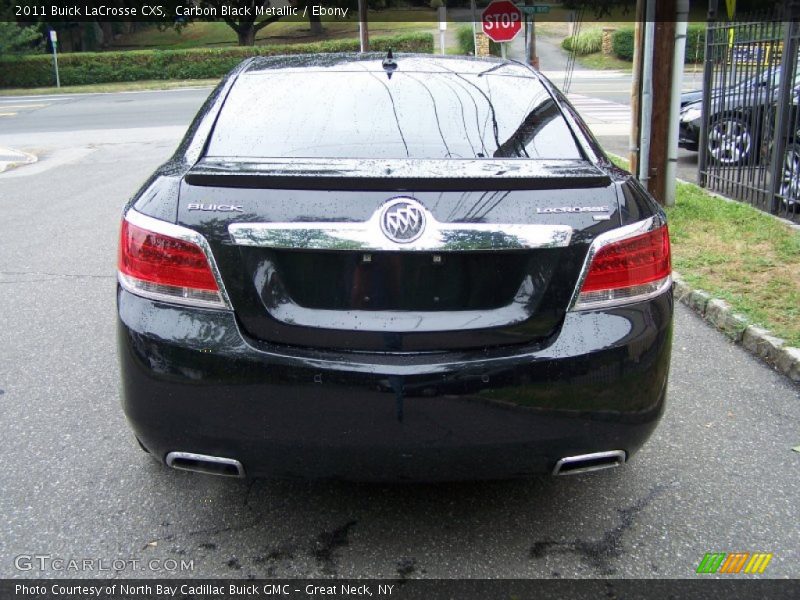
pixel 627 270
pixel 173 268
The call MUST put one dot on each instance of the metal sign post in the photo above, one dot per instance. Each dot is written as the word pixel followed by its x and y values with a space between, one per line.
pixel 54 43
pixel 442 26
pixel 530 11
pixel 474 27
pixel 363 29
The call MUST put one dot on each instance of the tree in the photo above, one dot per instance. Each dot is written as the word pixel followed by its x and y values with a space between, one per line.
pixel 16 38
pixel 248 24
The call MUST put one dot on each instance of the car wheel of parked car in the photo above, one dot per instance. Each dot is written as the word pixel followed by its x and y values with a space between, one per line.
pixel 730 141
pixel 790 179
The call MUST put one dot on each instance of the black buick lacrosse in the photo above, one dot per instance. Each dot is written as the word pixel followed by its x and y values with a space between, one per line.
pixel 370 267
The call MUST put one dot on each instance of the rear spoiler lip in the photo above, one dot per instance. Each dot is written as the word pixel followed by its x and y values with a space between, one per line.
pixel 397 175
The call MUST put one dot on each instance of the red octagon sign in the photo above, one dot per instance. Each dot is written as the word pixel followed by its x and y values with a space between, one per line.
pixel 501 20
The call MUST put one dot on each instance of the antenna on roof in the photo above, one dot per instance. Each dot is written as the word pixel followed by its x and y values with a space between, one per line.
pixel 389 64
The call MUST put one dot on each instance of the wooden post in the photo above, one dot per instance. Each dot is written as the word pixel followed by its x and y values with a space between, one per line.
pixel 663 53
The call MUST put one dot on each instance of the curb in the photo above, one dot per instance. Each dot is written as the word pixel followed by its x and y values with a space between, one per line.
pixel 757 341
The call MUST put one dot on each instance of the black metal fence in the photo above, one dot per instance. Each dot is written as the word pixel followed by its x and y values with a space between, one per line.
pixel 749 140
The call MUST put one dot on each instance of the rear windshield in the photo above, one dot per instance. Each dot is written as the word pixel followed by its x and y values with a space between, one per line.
pixel 349 114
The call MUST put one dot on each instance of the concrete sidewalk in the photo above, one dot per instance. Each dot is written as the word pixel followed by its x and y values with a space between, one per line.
pixel 551 56
pixel 11 158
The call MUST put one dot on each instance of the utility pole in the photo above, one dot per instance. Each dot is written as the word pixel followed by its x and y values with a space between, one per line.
pixel 363 31
pixel 651 96
pixel 663 56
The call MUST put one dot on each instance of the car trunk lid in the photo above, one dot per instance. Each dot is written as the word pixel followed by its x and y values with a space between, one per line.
pixel 305 260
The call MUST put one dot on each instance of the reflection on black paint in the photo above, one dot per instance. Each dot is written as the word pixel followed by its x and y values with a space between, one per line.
pixel 349 109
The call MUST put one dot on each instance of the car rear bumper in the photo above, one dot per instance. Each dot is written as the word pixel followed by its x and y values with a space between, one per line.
pixel 193 383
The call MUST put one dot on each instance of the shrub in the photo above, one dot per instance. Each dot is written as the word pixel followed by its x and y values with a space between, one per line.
pixel 466 40
pixel 198 63
pixel 695 43
pixel 436 4
pixel 586 42
pixel 622 43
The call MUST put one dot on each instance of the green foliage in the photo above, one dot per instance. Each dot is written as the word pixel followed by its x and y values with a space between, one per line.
pixel 466 40
pixel 15 39
pixel 436 4
pixel 622 43
pixel 199 63
pixel 598 9
pixel 695 43
pixel 586 42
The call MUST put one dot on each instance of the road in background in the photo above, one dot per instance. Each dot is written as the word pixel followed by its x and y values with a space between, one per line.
pixel 80 112
pixel 596 97
pixel 603 98
pixel 719 474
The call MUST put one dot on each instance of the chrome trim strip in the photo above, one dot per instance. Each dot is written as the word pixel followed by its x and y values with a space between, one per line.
pixel 619 455
pixel 400 321
pixel 367 236
pixel 219 460
pixel 187 235
pixel 604 239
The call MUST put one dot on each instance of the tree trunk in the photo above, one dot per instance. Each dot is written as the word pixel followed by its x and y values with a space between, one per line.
pixel 108 34
pixel 316 24
pixel 247 35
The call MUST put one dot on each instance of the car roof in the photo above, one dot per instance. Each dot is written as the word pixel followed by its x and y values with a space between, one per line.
pixel 373 62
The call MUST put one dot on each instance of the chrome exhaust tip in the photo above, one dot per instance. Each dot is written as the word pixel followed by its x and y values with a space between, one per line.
pixel 202 463
pixel 583 463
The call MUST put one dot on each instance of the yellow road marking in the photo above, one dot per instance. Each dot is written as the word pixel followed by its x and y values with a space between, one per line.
pixel 18 106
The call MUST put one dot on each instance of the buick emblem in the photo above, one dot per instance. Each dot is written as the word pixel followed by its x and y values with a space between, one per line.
pixel 403 220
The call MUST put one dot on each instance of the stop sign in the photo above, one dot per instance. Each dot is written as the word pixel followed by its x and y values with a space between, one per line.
pixel 501 20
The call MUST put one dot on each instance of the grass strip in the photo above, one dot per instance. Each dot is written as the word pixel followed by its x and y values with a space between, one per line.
pixel 740 254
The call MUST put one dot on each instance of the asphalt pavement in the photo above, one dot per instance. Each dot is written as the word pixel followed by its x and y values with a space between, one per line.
pixel 719 474
pixel 601 97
